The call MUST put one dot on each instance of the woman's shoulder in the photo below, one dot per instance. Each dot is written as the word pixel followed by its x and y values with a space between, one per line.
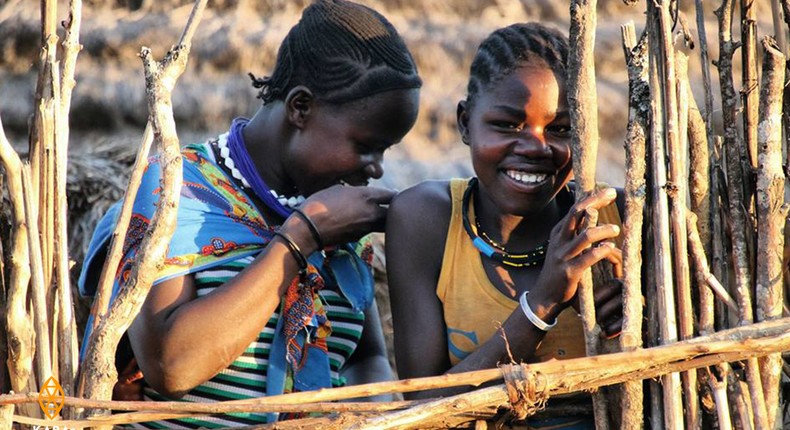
pixel 428 200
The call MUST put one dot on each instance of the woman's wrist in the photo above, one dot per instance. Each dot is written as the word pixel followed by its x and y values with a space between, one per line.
pixel 544 308
pixel 297 229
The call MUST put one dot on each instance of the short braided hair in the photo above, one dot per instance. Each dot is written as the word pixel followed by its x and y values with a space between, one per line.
pixel 509 48
pixel 342 51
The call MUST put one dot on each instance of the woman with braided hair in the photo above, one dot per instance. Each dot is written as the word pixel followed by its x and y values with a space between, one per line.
pixel 267 287
pixel 489 265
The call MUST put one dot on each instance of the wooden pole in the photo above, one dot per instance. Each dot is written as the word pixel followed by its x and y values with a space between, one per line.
pixel 771 214
pixel 583 106
pixel 66 322
pixel 43 357
pixel 17 319
pixel 750 89
pixel 635 186
pixel 707 281
pixel 99 374
pixel 738 201
pixel 664 129
pixel 678 175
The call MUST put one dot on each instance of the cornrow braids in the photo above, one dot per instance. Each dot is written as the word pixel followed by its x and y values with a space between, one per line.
pixel 511 47
pixel 342 51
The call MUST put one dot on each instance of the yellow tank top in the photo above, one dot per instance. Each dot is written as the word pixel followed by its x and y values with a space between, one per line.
pixel 473 307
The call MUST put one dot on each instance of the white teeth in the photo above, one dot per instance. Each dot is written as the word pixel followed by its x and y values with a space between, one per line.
pixel 527 178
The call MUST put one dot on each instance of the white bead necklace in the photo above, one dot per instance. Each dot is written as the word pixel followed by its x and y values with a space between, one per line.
pixel 224 152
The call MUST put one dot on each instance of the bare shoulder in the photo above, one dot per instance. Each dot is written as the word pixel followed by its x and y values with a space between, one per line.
pixel 424 209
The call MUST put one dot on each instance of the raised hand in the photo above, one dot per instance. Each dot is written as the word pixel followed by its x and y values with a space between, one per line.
pixel 346 213
pixel 572 249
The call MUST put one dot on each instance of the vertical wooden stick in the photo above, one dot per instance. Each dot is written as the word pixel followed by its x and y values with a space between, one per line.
pixel 664 130
pixel 738 201
pixel 583 101
pixel 635 190
pixel 18 321
pixel 779 31
pixel 719 389
pixel 99 374
pixel 43 358
pixel 750 88
pixel 771 214
pixel 66 323
pixel 677 150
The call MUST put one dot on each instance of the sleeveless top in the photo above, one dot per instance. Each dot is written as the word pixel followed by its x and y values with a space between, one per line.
pixel 474 308
pixel 246 376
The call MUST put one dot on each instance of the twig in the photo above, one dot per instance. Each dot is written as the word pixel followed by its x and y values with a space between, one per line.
pixel 703 271
pixel 750 85
pixel 583 106
pixel 678 174
pixel 67 328
pixel 771 213
pixel 719 390
pixel 99 372
pixel 779 31
pixel 664 129
pixel 43 353
pixel 18 321
pixel 635 190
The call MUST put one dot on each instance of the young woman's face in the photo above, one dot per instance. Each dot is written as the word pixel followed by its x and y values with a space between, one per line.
pixel 519 134
pixel 346 143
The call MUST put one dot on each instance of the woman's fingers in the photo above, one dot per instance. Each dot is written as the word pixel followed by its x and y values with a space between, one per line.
pixel 604 293
pixel 597 200
pixel 592 236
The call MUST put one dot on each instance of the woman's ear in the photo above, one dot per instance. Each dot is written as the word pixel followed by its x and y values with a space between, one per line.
pixel 462 121
pixel 299 105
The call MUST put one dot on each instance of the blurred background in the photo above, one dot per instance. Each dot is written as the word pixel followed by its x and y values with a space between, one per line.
pixel 237 37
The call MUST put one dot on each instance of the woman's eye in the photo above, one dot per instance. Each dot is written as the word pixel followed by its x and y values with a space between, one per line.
pixel 507 125
pixel 559 130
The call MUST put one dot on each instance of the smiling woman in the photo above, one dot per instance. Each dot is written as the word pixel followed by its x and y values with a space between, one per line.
pixel 267 287
pixel 502 251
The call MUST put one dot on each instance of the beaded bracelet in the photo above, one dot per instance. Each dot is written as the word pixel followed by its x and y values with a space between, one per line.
pixel 313 229
pixel 295 251
pixel 534 319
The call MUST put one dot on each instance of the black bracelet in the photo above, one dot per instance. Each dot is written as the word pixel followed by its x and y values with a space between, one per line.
pixel 295 251
pixel 313 229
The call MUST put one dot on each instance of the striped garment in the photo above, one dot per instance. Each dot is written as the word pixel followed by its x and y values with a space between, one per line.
pixel 246 377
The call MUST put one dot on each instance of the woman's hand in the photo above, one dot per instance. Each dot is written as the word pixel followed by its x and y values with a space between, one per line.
pixel 343 213
pixel 572 249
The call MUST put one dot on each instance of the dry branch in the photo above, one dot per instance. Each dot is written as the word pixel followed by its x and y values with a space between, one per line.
pixel 771 213
pixel 635 192
pixel 583 106
pixel 749 89
pixel 678 175
pixel 703 270
pixel 740 225
pixel 18 321
pixel 99 371
pixel 664 130
pixel 66 322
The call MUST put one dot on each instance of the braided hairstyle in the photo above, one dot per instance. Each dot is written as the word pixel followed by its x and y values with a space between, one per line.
pixel 511 47
pixel 342 51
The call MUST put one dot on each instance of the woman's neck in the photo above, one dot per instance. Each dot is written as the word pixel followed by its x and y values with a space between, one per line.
pixel 265 138
pixel 515 232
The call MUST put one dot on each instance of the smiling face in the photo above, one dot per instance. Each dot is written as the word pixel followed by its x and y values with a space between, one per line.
pixel 346 143
pixel 519 133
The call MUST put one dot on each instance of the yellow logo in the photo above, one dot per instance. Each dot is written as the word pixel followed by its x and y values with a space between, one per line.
pixel 51 398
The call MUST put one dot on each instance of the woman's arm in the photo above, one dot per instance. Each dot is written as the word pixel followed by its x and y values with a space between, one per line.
pixel 181 340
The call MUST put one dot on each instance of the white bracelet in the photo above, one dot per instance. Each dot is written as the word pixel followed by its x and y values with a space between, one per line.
pixel 534 319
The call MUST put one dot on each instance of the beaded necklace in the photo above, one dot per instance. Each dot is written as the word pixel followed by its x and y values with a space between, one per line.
pixel 235 156
pixel 492 249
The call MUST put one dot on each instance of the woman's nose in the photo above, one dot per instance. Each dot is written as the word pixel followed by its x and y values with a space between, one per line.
pixel 532 143
pixel 373 166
